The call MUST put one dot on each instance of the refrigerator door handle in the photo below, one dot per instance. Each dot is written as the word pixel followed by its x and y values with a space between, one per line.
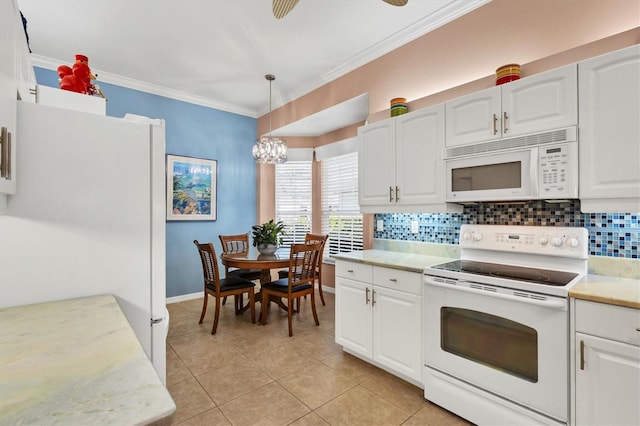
pixel 156 320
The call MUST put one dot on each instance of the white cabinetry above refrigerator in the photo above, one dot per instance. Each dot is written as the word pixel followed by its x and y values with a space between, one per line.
pixel 8 89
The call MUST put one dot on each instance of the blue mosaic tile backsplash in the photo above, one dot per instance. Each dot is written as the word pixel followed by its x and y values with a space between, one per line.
pixel 610 234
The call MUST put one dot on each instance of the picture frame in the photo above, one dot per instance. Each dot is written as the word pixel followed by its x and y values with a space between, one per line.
pixel 191 188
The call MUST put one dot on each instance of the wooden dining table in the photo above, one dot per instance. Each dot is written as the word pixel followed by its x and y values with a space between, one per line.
pixel 253 259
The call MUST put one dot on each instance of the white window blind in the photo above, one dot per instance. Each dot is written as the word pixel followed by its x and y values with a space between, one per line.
pixel 341 217
pixel 293 199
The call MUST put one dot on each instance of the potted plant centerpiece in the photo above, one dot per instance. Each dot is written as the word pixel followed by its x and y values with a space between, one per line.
pixel 268 236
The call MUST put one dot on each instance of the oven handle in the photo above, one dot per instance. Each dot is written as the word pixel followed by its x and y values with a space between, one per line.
pixel 559 304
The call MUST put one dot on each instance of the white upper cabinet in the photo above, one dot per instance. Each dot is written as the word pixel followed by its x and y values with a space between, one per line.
pixel 609 137
pixel 544 101
pixel 400 163
pixel 419 166
pixel 376 163
pixel 474 117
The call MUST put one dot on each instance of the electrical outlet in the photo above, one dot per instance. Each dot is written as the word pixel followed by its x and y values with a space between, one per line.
pixel 414 226
pixel 380 225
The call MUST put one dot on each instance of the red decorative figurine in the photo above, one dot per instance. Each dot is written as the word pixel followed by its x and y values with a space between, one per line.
pixel 78 79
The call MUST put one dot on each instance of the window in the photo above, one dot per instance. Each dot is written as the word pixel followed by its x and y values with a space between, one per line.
pixel 341 217
pixel 293 199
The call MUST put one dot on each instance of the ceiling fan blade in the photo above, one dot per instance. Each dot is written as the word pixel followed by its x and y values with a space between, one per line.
pixel 282 7
pixel 394 2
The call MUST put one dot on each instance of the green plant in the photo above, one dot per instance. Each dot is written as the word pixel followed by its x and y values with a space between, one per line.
pixel 268 233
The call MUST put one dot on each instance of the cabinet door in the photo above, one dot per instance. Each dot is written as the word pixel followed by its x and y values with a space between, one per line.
pixel 353 316
pixel 541 102
pixel 473 118
pixel 419 165
pixel 25 75
pixel 376 166
pixel 397 331
pixel 8 16
pixel 608 385
pixel 610 129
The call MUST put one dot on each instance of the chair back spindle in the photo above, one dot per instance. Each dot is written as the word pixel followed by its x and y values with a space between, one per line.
pixel 209 262
pixel 235 244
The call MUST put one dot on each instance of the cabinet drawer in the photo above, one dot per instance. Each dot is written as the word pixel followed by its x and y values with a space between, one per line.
pixel 354 271
pixel 608 321
pixel 397 279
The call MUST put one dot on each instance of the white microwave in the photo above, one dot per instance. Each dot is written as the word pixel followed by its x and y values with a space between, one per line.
pixel 521 168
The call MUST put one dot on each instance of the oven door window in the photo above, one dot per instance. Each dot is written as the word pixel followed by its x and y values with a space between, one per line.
pixel 487 176
pixel 490 340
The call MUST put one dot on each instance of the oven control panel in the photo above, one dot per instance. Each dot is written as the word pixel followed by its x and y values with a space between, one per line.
pixel 551 240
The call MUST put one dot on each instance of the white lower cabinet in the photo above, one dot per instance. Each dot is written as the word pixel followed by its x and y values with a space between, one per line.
pixel 378 317
pixel 607 365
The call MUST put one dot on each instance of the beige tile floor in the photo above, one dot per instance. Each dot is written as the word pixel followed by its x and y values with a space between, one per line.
pixel 257 375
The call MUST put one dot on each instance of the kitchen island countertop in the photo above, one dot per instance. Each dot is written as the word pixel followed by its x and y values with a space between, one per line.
pixel 76 362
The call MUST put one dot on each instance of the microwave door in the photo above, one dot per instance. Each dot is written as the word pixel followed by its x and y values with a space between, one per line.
pixel 493 177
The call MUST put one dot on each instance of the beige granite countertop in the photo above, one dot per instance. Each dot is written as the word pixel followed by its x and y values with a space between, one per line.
pixel 611 290
pixel 76 362
pixel 599 288
pixel 392 259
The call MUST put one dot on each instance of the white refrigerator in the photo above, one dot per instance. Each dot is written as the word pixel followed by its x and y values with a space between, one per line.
pixel 88 217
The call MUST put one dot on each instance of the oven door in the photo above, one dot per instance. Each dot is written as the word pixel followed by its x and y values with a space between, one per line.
pixel 509 345
pixel 493 177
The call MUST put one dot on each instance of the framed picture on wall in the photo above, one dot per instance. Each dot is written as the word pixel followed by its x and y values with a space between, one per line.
pixel 191 188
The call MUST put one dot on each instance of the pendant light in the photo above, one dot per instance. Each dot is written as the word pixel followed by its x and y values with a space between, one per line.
pixel 268 149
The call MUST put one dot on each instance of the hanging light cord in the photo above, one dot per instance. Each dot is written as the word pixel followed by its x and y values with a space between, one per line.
pixel 270 77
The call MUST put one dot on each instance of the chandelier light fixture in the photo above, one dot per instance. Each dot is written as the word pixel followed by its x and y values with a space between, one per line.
pixel 269 149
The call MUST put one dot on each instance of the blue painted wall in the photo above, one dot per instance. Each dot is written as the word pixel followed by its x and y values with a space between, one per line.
pixel 195 131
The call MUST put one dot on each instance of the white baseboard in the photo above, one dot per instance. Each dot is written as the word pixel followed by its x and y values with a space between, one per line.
pixel 185 297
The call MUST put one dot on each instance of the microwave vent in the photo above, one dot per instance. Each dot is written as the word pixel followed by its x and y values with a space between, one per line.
pixel 556 136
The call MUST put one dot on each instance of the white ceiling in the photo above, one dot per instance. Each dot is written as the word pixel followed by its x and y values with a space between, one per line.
pixel 216 52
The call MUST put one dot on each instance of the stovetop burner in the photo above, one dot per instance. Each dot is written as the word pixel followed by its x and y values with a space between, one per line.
pixel 518 273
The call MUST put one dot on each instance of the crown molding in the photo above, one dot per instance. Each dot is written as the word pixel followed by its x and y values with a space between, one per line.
pixel 106 77
pixel 410 33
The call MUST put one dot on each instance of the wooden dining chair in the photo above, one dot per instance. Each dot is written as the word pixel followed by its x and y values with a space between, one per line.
pixel 312 239
pixel 221 287
pixel 303 261
pixel 237 244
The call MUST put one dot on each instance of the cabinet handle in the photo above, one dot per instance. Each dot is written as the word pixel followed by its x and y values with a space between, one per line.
pixel 4 142
pixel 581 354
pixel 504 122
pixel 637 328
pixel 495 124
pixel 350 271
pixel 393 280
pixel 397 194
pixel 367 296
pixel 8 170
pixel 391 194
pixel 373 297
